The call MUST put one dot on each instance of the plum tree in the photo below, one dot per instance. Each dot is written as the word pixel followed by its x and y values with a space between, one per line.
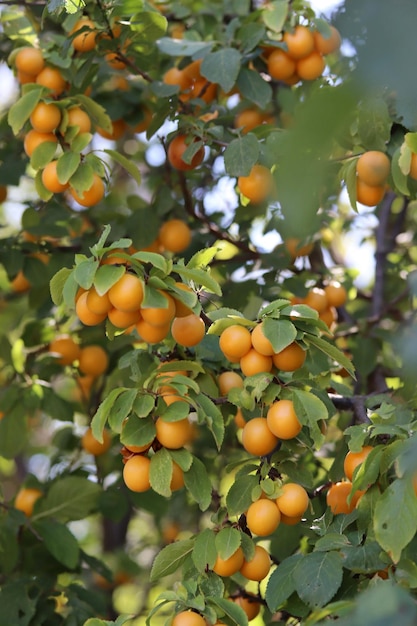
pixel 207 386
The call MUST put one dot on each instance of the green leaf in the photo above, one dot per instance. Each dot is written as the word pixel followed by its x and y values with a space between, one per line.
pixel 59 541
pixel 318 577
pixel 18 603
pixel 182 47
pixel 106 276
pixel 400 162
pixel 160 473
pixel 13 432
pixel 204 552
pixel 171 558
pixel 121 408
pixel 241 155
pixel 150 25
pixel 231 609
pixel 84 272
pixel 199 277
pixel 41 190
pixel 349 176
pixel 411 141
pixel 143 404
pixel 101 416
pixel 331 351
pixel 82 179
pixel 43 154
pixel 73 6
pixel 227 541
pixel 57 283
pixel 308 407
pixel 362 559
pixel 281 333
pixel 21 110
pixel 157 260
pixel 250 36
pixel 222 67
pixel 310 410
pixel 69 290
pixel 281 583
pixel 395 517
pixel 198 483
pixel 274 15
pixel 67 165
pixel 128 165
pixel 80 141
pixel 138 431
pixel 254 88
pixel 96 113
pixel 70 498
pixel 367 472
pixel 175 411
pixel 374 123
pixel 212 416
pixel 239 496
pixel 9 547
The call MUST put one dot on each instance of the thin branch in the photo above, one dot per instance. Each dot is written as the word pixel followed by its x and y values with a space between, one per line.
pixel 213 228
pixel 384 245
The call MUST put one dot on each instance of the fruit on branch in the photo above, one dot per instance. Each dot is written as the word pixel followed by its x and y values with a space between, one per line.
pixel 26 498
pixel 257 186
pixel 85 315
pixel 52 78
pixel 229 380
pixel 293 501
pixel 336 294
pixel 369 195
pixel 66 349
pixel 257 437
pixel 260 342
pixel 188 618
pixel 127 293
pixel 249 603
pixel 30 61
pixel 280 65
pixel 373 168
pixel 176 148
pixel 136 473
pixel 235 341
pixel 230 565
pixel 93 360
pixel 299 42
pixel 311 66
pixel 174 435
pixel 78 117
pixel 296 248
pixel 255 363
pixel 160 316
pixel 257 568
pixel 354 459
pixel 92 195
pixel 85 41
pixel 263 517
pixel 290 358
pixel 33 139
pixel 282 419
pixel 338 495
pixel 91 445
pixel 174 236
pixel 50 178
pixel 45 117
pixel 188 331
pixel 327 45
